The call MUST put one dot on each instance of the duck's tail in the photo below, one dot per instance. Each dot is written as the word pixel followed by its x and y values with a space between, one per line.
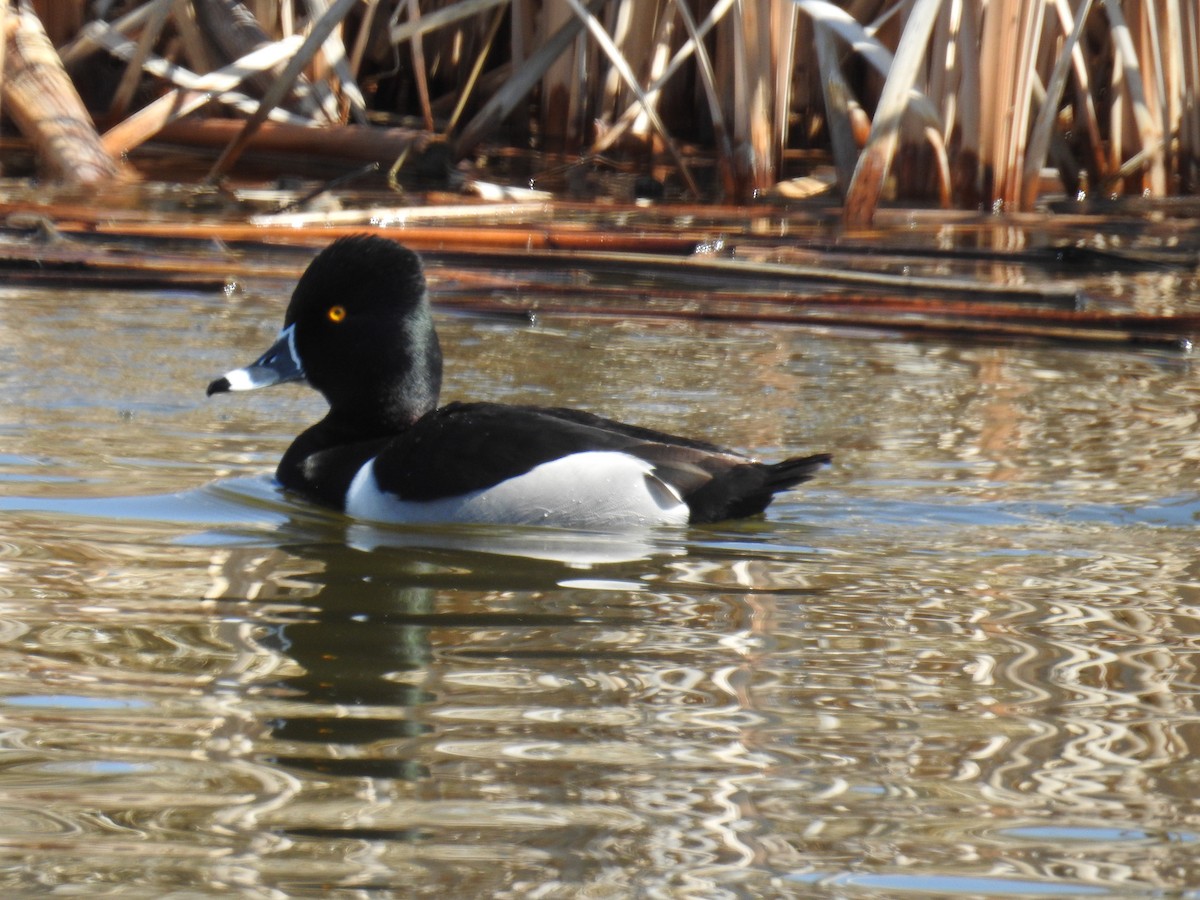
pixel 794 471
pixel 748 489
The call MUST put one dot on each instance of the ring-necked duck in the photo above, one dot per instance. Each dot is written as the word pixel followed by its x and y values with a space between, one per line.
pixel 359 330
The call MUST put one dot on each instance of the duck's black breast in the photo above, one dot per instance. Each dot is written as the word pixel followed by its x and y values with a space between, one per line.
pixel 322 462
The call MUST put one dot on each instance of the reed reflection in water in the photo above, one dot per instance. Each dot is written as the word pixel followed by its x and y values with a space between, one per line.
pixel 961 663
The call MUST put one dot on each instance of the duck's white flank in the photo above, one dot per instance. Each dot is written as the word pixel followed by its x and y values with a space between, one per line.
pixel 595 489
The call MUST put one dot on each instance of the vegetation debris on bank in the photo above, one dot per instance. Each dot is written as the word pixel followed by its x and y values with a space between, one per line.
pixel 774 146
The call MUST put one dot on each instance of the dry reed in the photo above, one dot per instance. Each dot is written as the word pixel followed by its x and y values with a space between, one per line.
pixel 951 102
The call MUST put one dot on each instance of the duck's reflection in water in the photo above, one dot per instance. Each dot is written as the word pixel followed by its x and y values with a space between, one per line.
pixel 359 648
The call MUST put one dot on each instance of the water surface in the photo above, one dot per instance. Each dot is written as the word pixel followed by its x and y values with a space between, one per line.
pixel 963 662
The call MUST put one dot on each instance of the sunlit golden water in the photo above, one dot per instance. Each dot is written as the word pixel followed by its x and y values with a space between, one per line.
pixel 963 662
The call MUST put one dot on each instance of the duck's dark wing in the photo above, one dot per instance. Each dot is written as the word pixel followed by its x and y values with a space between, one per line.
pixel 465 447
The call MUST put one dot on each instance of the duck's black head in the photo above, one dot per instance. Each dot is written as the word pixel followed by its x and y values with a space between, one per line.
pixel 360 331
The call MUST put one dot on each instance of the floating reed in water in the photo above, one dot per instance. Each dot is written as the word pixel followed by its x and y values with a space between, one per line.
pixel 954 102
pixel 625 283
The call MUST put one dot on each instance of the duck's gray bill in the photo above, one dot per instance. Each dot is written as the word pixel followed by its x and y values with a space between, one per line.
pixel 277 365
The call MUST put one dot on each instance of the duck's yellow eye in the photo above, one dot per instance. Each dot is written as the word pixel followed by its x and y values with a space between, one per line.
pixel 336 313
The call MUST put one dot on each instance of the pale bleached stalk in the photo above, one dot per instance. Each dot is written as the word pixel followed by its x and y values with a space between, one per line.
pixel 334 52
pixel 195 46
pixel 1159 64
pixel 967 106
pixel 825 15
pixel 838 103
pixel 1043 127
pixel 123 48
pixel 708 80
pixel 523 78
pixel 942 61
pixel 1085 102
pixel 316 36
pixel 1144 120
pixel 1116 119
pixel 997 57
pixel 937 145
pixel 694 44
pixel 440 18
pixel 417 48
pixel 659 53
pixel 622 65
pixel 176 104
pixel 829 20
pixel 476 69
pixel 1175 78
pixel 732 58
pixel 752 134
pixel 1011 29
pixel 783 27
pixel 866 186
pixel 91 36
pixel 132 76
pixel 619 17
pixel 1032 18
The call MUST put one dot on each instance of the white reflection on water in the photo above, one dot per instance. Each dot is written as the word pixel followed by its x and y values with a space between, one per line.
pixel 964 661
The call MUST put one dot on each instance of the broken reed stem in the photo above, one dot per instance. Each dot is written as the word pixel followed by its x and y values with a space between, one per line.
pixel 132 76
pixel 476 69
pixel 417 48
pixel 475 282
pixel 174 105
pixel 41 99
pixel 320 30
pixel 1158 335
pixel 354 143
